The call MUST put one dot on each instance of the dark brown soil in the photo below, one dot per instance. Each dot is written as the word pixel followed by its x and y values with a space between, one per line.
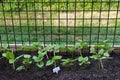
pixel 111 71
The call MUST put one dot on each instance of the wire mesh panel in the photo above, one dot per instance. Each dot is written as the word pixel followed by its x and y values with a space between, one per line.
pixel 59 21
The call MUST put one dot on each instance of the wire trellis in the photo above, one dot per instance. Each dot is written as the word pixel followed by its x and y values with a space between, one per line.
pixel 57 21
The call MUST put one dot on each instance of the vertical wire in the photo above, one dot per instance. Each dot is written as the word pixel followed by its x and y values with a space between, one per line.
pixel 75 22
pixel 99 22
pixel 36 33
pixel 114 35
pixel 108 20
pixel 21 33
pixel 43 22
pixel 28 22
pixel 59 19
pixel 6 31
pixel 0 41
pixel 91 23
pixel 83 20
pixel 11 13
pixel 51 21
pixel 67 23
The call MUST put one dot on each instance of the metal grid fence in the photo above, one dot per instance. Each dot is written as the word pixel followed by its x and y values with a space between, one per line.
pixel 59 21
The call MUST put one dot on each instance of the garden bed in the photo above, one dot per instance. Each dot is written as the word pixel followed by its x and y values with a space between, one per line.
pixel 58 62
pixel 111 71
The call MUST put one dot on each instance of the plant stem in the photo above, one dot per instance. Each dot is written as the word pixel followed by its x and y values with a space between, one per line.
pixel 14 66
pixel 55 62
pixel 47 56
pixel 101 64
pixel 81 53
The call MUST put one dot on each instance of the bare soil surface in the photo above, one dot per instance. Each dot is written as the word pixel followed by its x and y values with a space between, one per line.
pixel 111 71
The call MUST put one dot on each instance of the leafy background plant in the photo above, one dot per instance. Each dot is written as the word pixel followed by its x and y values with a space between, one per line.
pixel 21 5
pixel 26 62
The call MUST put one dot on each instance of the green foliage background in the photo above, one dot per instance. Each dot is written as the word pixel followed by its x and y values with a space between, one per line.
pixel 11 5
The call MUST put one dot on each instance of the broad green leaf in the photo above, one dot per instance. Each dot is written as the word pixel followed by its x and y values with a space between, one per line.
pixel 49 62
pixel 101 52
pixel 11 61
pixel 71 49
pixel 86 58
pixel 4 46
pixel 10 55
pixel 80 59
pixel 20 68
pixel 56 48
pixel 40 65
pixel 19 57
pixel 41 54
pixel 27 61
pixel 67 62
pixel 56 58
pixel 36 44
pixel 37 59
pixel 94 56
pixel 77 45
pixel 92 50
pixel 106 54
pixel 27 56
pixel 4 54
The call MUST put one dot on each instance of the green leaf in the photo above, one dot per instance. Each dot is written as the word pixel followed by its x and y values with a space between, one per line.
pixel 41 54
pixel 37 59
pixel 92 50
pixel 27 61
pixel 56 58
pixel 4 54
pixel 19 57
pixel 67 62
pixel 27 56
pixel 83 44
pixel 94 57
pixel 106 54
pixel 101 52
pixel 11 61
pixel 80 58
pixel 40 65
pixel 62 47
pixel 56 48
pixel 49 62
pixel 71 49
pixel 36 44
pixel 8 55
pixel 20 68
pixel 86 58
pixel 83 59
pixel 80 64
pixel 4 46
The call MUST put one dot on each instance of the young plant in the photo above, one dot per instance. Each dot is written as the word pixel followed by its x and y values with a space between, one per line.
pixel 26 63
pixel 32 47
pixel 39 59
pixel 83 61
pixel 11 58
pixel 80 45
pixel 104 45
pixel 71 49
pixel 68 62
pixel 53 60
pixel 102 54
pixel 4 47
